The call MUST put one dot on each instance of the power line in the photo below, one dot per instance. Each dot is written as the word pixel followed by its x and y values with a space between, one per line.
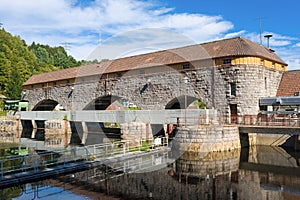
pixel 66 45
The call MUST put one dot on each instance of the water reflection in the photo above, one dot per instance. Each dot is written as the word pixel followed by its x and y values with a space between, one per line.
pixel 260 172
pixel 41 190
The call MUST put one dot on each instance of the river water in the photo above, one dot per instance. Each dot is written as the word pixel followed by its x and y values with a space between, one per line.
pixel 259 172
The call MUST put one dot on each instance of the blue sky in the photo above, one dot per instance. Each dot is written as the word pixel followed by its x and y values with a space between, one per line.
pixel 117 28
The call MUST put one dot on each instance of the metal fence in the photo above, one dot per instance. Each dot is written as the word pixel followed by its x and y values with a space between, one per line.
pixel 282 120
pixel 42 159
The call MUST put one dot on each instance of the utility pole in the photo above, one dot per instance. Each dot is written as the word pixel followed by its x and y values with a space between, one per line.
pixel 66 45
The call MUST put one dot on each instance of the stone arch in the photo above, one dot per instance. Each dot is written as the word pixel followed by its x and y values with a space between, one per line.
pixel 101 103
pixel 45 105
pixel 181 102
pixel 104 102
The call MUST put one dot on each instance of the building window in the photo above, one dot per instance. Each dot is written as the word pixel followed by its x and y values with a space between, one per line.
pixel 67 82
pixel 233 89
pixel 273 65
pixel 119 75
pixel 227 62
pixel 266 83
pixel 54 83
pixel 142 71
pixel 186 66
pixel 43 85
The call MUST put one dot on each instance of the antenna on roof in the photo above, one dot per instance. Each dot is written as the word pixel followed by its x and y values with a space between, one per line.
pixel 260 28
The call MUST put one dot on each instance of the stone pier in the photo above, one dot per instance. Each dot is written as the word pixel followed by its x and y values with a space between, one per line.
pixel 207 138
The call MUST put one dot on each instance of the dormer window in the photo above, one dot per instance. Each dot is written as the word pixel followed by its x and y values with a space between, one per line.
pixel 227 62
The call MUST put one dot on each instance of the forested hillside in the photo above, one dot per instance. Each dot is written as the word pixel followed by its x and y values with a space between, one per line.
pixel 18 62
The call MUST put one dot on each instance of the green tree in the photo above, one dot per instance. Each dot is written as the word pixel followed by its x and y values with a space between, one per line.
pixel 18 62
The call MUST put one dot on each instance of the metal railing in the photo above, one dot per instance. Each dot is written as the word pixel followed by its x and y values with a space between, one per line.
pixel 282 120
pixel 43 159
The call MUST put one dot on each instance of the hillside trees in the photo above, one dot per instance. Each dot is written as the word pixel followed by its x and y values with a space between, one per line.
pixel 18 62
pixel 56 56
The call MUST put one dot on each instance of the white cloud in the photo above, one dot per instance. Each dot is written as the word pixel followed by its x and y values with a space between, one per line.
pixel 132 26
pixel 55 21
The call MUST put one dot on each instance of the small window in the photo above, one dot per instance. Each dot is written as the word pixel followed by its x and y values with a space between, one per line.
pixel 273 65
pixel 186 66
pixel 43 85
pixel 67 82
pixel 233 89
pixel 142 71
pixel 32 86
pixel 266 83
pixel 119 75
pixel 54 83
pixel 227 62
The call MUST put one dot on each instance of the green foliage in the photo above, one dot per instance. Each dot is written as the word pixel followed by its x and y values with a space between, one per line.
pixel 132 108
pixel 55 56
pixel 200 104
pixel 18 62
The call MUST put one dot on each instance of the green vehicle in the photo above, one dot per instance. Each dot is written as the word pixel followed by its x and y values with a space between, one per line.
pixel 16 105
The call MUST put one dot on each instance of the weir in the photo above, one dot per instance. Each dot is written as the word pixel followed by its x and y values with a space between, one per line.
pixel 49 164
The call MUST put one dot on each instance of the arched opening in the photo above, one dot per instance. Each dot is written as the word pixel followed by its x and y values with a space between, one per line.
pixel 98 132
pixel 104 102
pixel 45 105
pixel 182 102
pixel 38 131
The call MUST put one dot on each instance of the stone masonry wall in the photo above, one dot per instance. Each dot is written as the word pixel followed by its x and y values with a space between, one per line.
pixel 252 83
pixel 207 138
pixel 135 132
pixel 155 91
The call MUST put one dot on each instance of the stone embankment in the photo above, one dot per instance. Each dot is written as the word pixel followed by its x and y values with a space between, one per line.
pixel 8 125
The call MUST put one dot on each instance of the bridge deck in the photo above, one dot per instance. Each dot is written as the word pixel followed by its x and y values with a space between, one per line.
pixel 121 116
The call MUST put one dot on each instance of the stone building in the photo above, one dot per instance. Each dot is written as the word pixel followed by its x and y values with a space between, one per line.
pixel 229 75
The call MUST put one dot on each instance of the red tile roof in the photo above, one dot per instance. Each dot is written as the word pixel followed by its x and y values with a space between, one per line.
pixel 222 48
pixel 290 83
